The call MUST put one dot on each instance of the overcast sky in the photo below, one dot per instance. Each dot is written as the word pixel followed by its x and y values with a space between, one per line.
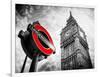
pixel 54 19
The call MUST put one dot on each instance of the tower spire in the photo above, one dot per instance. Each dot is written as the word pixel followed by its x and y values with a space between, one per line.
pixel 71 14
pixel 70 17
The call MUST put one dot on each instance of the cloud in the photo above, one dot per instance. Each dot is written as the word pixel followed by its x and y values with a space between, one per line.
pixel 53 18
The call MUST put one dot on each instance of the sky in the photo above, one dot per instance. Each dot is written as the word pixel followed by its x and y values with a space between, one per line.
pixel 53 19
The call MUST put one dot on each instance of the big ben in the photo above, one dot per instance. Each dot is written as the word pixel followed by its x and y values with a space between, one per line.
pixel 74 47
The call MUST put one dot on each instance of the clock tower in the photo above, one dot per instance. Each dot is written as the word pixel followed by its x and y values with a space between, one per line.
pixel 74 47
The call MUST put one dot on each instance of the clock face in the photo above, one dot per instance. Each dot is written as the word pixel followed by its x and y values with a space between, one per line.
pixel 67 33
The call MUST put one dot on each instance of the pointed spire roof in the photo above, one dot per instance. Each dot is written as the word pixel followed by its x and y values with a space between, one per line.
pixel 71 14
pixel 70 17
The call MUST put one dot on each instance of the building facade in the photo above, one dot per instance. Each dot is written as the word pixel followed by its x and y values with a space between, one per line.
pixel 74 47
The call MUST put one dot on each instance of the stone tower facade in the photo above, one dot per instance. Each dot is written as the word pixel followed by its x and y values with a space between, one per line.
pixel 74 47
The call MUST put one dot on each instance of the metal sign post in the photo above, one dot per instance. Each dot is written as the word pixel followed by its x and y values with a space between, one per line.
pixel 36 42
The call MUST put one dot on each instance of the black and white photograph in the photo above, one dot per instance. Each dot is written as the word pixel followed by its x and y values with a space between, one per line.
pixel 53 38
pixel 50 38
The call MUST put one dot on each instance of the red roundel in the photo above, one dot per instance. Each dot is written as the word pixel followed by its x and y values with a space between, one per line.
pixel 44 50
